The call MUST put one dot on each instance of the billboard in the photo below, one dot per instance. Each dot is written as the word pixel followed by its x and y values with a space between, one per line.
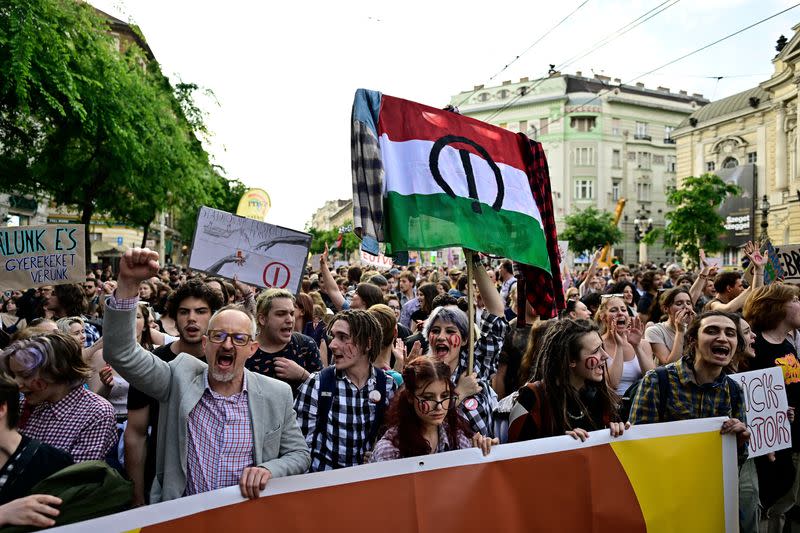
pixel 738 211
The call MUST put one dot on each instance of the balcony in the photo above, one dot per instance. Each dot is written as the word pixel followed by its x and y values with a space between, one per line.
pixel 642 137
pixel 669 141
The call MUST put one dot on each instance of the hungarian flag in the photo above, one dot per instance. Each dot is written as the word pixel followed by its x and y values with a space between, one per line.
pixel 426 179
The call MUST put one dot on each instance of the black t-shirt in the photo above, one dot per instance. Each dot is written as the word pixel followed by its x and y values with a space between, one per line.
pixel 783 355
pixel 514 345
pixel 302 349
pixel 138 400
pixel 23 471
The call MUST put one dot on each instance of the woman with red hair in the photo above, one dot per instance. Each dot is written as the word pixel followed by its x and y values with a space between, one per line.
pixel 422 418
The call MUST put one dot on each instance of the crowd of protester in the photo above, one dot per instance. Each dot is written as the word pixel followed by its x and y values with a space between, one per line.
pixel 184 383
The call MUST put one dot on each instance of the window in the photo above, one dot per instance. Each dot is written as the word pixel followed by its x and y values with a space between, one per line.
pixel 710 166
pixel 644 160
pixel 671 161
pixel 616 159
pixel 584 156
pixel 483 97
pixel 658 159
pixel 730 162
pixel 615 191
pixel 752 157
pixel 632 156
pixel 614 126
pixel 668 135
pixel 643 192
pixel 523 126
pixel 584 189
pixel 95 237
pixel 582 123
pixel 522 91
pixel 641 131
pixel 503 94
pixel 543 125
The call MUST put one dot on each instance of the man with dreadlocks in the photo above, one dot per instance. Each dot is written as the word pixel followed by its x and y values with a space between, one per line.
pixel 573 395
pixel 340 409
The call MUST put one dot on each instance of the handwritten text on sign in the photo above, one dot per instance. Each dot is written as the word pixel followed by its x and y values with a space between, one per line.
pixel 33 256
pixel 380 261
pixel 765 401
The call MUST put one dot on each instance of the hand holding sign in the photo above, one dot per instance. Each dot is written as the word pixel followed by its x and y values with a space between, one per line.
pixel 136 265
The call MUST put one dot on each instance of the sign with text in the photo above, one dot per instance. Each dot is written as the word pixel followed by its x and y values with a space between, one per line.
pixel 789 257
pixel 737 210
pixel 765 401
pixel 256 252
pixel 379 261
pixel 33 256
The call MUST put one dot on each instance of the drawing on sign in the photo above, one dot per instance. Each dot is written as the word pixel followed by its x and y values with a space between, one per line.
pixel 229 245
pixel 467 165
pixel 277 275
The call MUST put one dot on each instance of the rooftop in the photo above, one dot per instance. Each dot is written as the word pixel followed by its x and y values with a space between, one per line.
pixel 751 98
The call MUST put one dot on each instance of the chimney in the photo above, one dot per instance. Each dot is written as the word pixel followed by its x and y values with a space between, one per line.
pixel 601 77
pixel 618 81
pixel 507 82
pixel 663 89
pixel 683 93
pixel 697 95
pixel 478 87
pixel 579 73
pixel 640 85
pixel 523 80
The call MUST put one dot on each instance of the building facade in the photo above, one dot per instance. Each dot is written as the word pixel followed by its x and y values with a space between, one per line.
pixel 753 132
pixel 604 141
pixel 333 214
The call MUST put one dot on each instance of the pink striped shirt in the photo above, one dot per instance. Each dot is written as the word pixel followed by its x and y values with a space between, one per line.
pixel 219 441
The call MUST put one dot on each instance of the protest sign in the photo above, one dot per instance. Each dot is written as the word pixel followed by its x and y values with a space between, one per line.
pixel 606 484
pixel 772 269
pixel 258 253
pixel 33 256
pixel 379 261
pixel 789 256
pixel 765 401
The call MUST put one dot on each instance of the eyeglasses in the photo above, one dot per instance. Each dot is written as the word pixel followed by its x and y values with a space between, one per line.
pixel 217 336
pixel 426 406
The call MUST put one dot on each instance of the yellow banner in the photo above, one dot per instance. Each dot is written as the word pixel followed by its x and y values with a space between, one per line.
pixel 255 204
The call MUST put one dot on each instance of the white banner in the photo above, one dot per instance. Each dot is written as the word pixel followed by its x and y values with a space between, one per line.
pixel 765 401
pixel 379 261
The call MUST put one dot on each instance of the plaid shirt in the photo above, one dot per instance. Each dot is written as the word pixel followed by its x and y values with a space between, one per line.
pixel 385 450
pixel 686 399
pixel 544 291
pixel 367 165
pixel 81 423
pixel 344 441
pixel 219 440
pixel 487 354
pixel 92 335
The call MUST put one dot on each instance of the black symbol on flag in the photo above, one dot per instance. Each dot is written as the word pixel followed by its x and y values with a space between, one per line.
pixel 467 165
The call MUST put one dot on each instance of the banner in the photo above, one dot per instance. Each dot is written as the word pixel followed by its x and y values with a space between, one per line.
pixel 766 404
pixel 772 269
pixel 556 484
pixel 738 210
pixel 33 256
pixel 255 204
pixel 789 257
pixel 258 253
pixel 379 261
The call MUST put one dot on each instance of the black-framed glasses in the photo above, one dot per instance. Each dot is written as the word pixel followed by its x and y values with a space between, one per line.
pixel 218 336
pixel 426 406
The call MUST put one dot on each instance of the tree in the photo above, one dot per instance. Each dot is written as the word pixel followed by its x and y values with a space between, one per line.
pixel 320 237
pixel 89 126
pixel 695 222
pixel 590 229
pixel 215 191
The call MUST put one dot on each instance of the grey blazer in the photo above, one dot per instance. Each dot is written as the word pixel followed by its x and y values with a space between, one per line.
pixel 178 385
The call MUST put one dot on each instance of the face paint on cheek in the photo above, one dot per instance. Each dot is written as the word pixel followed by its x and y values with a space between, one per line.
pixel 591 363
pixel 432 339
pixel 454 340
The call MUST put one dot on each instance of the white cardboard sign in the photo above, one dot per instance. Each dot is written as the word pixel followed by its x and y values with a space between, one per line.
pixel 380 261
pixel 259 253
pixel 766 404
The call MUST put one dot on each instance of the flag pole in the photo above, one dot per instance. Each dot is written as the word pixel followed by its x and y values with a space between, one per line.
pixel 470 256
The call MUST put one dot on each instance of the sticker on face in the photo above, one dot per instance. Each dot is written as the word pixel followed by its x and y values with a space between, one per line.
pixel 591 363
pixel 471 404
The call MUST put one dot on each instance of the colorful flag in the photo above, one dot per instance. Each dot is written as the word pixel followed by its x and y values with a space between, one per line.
pixel 447 180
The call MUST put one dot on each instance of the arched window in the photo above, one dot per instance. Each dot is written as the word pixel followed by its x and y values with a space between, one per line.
pixel 730 162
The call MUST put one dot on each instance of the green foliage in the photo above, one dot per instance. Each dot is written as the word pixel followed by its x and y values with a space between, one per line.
pixel 89 126
pixel 349 242
pixel 215 191
pixel 694 221
pixel 590 229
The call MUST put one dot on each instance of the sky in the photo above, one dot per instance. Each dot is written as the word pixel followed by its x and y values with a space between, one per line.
pixel 284 73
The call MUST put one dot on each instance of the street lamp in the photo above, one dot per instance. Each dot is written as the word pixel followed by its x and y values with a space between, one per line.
pixel 764 206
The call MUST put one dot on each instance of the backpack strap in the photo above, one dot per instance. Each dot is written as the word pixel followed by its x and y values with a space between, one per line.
pixel 380 408
pixel 663 391
pixel 327 388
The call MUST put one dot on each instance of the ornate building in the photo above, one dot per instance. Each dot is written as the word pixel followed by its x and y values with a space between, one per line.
pixel 604 141
pixel 753 138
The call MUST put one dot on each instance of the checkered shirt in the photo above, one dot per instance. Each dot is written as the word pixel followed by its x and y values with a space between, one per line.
pixel 367 167
pixel 92 335
pixel 385 450
pixel 344 441
pixel 487 354
pixel 81 423
pixel 219 441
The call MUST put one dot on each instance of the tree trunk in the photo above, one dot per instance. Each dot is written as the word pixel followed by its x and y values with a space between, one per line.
pixel 145 233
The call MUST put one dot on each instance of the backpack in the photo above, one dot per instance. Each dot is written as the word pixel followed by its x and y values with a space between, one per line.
pixel 327 389
pixel 663 393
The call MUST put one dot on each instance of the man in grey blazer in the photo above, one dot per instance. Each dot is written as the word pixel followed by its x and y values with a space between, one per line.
pixel 222 424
